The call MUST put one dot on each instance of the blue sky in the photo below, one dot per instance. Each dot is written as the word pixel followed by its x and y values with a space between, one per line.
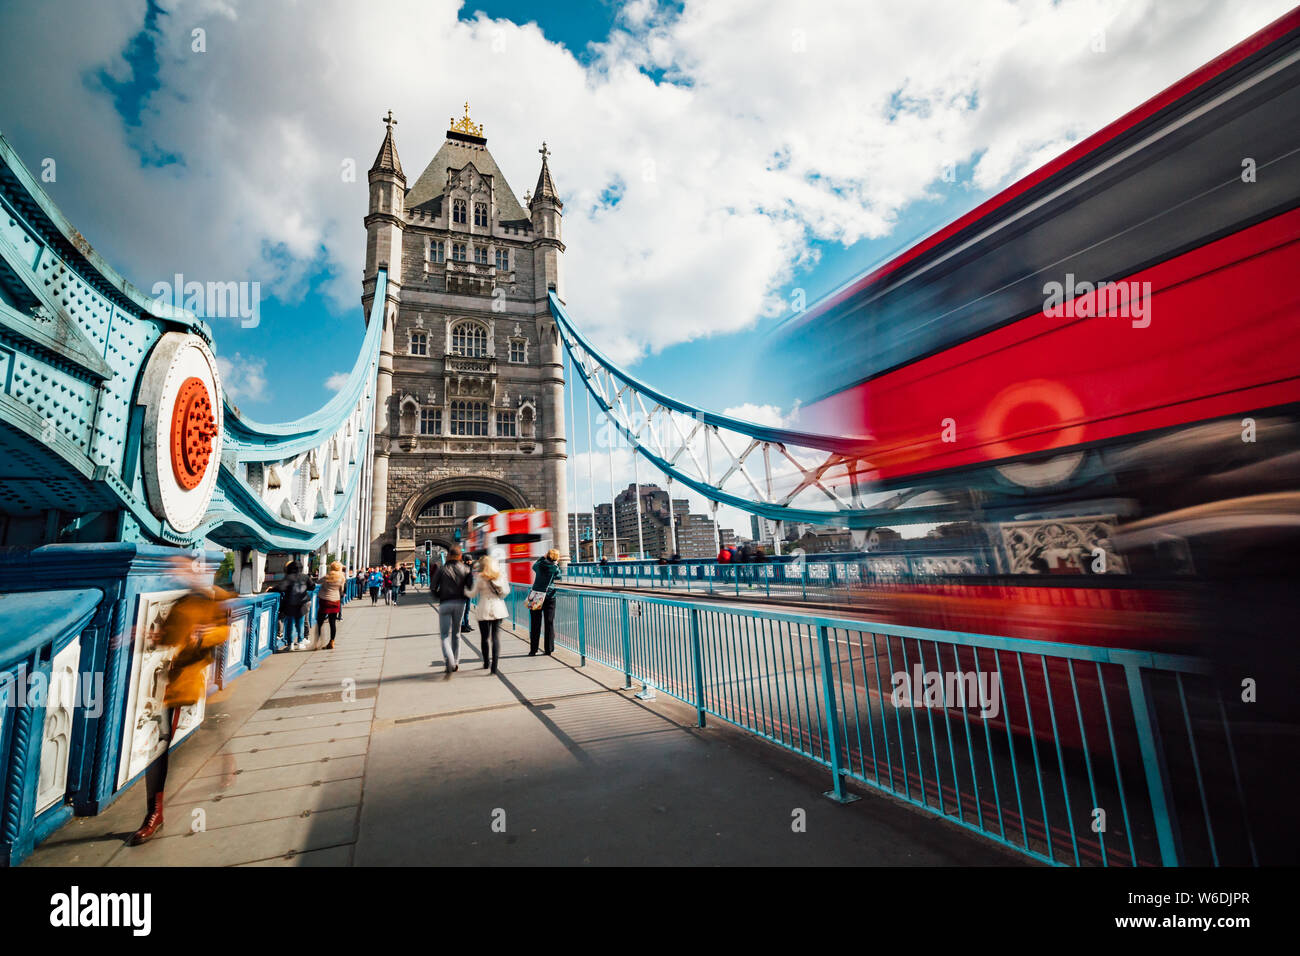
pixel 755 147
pixel 290 347
pixel 292 325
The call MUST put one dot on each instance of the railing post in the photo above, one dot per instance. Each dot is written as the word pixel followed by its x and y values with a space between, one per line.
pixel 627 646
pixel 836 793
pixel 582 632
pixel 699 664
pixel 1153 762
pixel 804 579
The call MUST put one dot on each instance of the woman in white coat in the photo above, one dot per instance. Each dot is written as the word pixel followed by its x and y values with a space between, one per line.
pixel 490 589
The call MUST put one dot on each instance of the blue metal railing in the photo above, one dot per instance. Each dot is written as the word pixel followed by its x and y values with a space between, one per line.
pixel 829 577
pixel 66 669
pixel 1073 755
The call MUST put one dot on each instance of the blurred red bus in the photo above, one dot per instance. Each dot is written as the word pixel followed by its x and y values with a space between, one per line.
pixel 1112 339
pixel 516 538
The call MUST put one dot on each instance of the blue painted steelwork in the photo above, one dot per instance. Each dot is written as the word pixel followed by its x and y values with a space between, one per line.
pixel 832 578
pixel 75 338
pixel 773 475
pixel 44 625
pixel 93 595
pixel 805 683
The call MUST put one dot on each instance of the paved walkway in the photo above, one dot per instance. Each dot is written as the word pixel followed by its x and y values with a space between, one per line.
pixel 364 755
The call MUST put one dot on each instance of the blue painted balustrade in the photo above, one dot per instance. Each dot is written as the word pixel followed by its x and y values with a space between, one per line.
pixel 37 716
pixel 79 685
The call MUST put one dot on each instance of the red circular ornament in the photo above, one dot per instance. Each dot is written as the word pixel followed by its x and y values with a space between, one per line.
pixel 193 428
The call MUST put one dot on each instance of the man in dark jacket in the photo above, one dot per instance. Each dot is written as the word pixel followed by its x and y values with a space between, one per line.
pixel 295 594
pixel 449 585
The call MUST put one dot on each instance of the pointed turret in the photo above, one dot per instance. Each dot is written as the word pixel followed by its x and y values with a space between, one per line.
pixel 547 216
pixel 545 190
pixel 384 223
pixel 387 161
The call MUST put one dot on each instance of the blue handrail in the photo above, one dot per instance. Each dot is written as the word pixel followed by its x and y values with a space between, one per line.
pixel 1079 733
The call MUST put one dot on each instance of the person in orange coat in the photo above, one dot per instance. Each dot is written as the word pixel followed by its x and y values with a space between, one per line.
pixel 195 627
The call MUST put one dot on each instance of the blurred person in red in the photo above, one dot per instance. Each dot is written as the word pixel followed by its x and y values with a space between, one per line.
pixel 193 629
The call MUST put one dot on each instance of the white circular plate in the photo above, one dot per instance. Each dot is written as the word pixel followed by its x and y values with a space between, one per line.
pixel 178 357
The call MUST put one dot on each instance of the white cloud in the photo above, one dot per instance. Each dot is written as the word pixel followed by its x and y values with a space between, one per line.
pixel 768 415
pixel 773 125
pixel 337 381
pixel 242 379
pixel 766 126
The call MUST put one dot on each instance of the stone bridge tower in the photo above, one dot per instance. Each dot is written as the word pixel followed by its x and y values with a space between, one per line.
pixel 470 399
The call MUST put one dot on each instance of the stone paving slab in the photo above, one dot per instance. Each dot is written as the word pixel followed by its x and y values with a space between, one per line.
pixel 247 842
pixel 331 856
pixel 369 755
pixel 287 737
pixel 274 755
pixel 268 804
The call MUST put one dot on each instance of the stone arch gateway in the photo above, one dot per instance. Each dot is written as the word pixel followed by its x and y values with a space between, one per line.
pixel 492 491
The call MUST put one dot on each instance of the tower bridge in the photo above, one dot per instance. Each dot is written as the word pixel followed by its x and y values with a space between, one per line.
pixel 121 448
pixel 122 451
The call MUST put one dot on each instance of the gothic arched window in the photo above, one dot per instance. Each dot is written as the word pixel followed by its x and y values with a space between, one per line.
pixel 419 343
pixel 480 214
pixel 469 339
pixel 458 209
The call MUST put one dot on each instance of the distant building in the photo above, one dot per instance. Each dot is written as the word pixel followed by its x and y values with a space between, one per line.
pixel 695 537
pixel 762 530
pixel 820 540
pixel 641 514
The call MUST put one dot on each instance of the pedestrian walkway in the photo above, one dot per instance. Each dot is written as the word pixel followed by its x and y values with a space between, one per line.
pixel 365 755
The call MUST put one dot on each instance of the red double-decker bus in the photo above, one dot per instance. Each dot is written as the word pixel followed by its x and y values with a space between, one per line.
pixel 1097 371
pixel 517 538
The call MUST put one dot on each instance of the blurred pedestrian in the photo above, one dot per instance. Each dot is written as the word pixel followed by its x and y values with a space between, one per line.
pixel 450 586
pixel 295 594
pixel 194 628
pixel 331 602
pixel 489 589
pixel 469 566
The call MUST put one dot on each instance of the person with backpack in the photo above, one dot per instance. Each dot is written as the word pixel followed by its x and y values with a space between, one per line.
pixel 489 590
pixel 450 588
pixel 724 556
pixel 295 593
pixel 541 601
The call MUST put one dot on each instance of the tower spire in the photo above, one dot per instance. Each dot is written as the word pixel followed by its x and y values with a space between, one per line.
pixel 387 160
pixel 545 190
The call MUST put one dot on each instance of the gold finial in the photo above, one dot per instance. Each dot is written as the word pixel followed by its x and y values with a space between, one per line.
pixel 465 125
